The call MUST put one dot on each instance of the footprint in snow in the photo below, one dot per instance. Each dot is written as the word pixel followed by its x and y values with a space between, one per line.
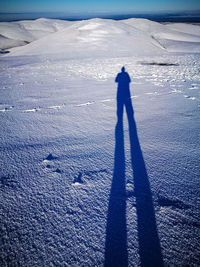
pixel 58 170
pixel 48 160
pixel 5 108
pixel 93 175
pixel 85 104
pixel 190 97
pixel 32 110
pixel 78 180
pixel 48 166
pixel 194 86
pixel 50 157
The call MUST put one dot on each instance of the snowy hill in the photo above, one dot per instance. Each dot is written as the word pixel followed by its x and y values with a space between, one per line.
pixel 99 36
pixel 29 30
pixel 95 37
pixel 80 185
pixel 174 37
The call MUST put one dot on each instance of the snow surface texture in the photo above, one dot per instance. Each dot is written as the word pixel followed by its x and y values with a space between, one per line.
pixel 76 188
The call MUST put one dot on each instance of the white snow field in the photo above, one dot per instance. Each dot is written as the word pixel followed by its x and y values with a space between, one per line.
pixel 76 188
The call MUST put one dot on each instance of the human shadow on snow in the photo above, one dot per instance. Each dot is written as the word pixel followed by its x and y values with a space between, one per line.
pixel 116 252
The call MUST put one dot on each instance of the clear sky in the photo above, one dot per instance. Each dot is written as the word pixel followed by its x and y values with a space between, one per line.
pixel 81 6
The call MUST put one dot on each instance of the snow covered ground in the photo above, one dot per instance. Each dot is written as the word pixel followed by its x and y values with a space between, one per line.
pixel 76 188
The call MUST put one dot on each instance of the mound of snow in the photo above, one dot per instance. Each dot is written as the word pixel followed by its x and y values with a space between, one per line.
pixel 28 30
pixel 15 31
pixel 145 25
pixel 98 37
pixel 174 37
pixel 95 37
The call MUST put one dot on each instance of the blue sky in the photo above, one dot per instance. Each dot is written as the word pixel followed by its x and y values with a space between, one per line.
pixel 81 6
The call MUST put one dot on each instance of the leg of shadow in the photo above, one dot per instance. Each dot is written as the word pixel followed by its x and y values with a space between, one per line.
pixel 149 244
pixel 116 254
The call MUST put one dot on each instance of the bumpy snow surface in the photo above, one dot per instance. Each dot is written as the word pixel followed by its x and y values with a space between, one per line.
pixel 77 188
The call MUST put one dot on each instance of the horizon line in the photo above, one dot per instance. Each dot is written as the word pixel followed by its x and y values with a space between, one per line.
pixel 167 16
pixel 107 12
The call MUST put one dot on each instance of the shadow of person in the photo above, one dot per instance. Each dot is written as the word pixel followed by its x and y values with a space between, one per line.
pixel 116 252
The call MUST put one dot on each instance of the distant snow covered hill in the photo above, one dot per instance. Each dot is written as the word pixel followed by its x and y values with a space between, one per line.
pixel 174 37
pixel 23 32
pixel 100 37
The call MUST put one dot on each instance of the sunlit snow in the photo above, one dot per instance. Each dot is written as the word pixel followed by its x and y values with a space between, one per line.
pixel 78 189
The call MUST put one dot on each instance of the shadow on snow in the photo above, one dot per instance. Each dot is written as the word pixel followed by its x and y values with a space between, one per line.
pixel 116 253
